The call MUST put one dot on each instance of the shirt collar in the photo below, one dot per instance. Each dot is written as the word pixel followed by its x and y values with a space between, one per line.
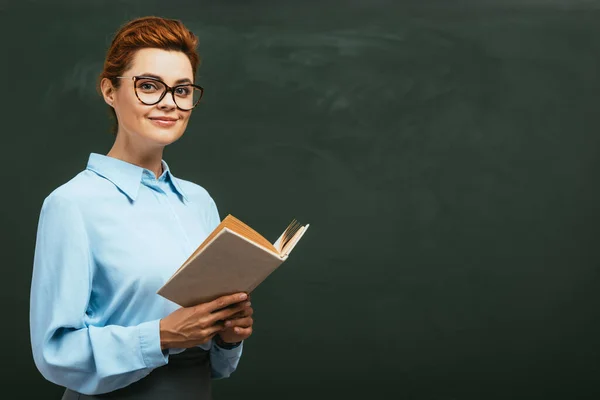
pixel 126 176
pixel 176 185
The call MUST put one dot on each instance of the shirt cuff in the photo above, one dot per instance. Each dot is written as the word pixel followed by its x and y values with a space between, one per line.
pixel 228 353
pixel 153 355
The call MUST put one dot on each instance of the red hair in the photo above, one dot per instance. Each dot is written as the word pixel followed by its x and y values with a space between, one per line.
pixel 146 32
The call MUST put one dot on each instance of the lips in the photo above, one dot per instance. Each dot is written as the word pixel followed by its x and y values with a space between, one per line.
pixel 166 119
pixel 163 122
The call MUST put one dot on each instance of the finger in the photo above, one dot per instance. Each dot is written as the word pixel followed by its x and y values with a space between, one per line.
pixel 233 305
pixel 224 301
pixel 212 330
pixel 227 313
pixel 248 298
pixel 246 312
pixel 243 332
pixel 239 322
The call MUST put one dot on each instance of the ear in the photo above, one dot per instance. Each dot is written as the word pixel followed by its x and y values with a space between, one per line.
pixel 108 91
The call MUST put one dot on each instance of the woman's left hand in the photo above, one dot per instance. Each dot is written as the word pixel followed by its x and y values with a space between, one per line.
pixel 238 327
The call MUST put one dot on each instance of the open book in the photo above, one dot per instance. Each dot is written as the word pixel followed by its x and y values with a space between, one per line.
pixel 233 258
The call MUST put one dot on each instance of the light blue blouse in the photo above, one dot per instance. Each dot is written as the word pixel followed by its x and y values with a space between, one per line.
pixel 106 241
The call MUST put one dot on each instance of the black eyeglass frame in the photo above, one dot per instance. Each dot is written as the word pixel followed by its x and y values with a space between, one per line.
pixel 167 90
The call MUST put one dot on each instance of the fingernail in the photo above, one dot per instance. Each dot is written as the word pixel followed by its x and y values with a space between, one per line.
pixel 243 296
pixel 227 323
pixel 248 304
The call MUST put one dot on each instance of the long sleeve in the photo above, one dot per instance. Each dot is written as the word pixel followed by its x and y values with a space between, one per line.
pixel 223 362
pixel 67 350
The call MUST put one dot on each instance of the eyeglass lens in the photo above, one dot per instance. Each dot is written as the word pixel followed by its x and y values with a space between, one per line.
pixel 150 91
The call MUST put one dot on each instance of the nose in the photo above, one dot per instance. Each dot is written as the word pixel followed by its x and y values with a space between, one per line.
pixel 167 102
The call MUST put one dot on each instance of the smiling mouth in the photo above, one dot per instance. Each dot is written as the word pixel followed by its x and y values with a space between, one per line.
pixel 163 119
pixel 163 122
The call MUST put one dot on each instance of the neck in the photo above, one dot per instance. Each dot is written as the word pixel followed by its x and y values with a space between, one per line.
pixel 142 156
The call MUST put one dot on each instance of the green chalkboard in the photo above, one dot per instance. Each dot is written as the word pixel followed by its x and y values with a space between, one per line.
pixel 446 155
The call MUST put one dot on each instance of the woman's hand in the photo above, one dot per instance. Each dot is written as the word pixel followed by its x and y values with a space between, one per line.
pixel 191 326
pixel 239 326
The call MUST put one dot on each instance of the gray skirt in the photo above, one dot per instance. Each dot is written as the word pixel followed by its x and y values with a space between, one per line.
pixel 186 377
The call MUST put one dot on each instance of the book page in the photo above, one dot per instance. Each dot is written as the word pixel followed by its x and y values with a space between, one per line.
pixel 244 230
pixel 294 240
pixel 277 243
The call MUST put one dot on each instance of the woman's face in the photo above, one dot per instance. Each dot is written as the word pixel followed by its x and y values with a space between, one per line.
pixel 152 125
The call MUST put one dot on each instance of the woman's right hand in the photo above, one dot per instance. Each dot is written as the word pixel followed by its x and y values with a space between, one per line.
pixel 191 326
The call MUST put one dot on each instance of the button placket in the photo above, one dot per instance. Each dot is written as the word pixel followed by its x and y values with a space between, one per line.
pixel 167 199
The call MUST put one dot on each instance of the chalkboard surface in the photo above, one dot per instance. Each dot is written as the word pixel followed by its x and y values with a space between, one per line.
pixel 445 154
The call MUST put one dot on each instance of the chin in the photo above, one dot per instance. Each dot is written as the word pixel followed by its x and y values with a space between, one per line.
pixel 165 137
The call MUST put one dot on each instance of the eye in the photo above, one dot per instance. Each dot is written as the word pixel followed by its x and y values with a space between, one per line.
pixel 148 86
pixel 182 91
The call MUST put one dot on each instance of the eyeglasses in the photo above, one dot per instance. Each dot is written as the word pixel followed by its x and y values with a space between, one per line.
pixel 150 91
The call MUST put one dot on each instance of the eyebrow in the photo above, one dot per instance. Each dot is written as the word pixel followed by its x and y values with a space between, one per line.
pixel 177 82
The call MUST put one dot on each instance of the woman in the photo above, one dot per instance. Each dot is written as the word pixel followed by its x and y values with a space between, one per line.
pixel 112 235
